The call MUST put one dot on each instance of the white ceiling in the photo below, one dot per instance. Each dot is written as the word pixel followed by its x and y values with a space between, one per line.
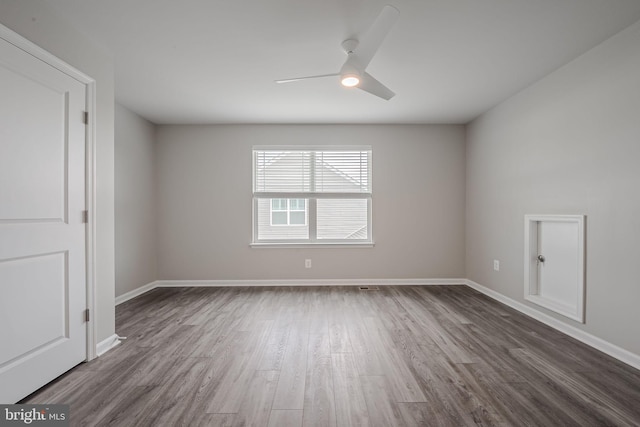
pixel 214 61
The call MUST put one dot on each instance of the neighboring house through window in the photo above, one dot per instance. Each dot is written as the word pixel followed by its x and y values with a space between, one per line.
pixel 288 212
pixel 305 195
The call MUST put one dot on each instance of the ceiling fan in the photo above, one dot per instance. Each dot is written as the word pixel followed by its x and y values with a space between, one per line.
pixel 359 55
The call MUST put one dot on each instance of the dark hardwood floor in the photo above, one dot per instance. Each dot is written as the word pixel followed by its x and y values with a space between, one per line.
pixel 339 356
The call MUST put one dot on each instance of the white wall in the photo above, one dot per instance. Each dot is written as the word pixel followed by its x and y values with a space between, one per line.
pixel 33 20
pixel 569 144
pixel 135 200
pixel 204 203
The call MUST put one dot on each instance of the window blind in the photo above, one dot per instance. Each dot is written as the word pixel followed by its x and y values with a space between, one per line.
pixel 312 171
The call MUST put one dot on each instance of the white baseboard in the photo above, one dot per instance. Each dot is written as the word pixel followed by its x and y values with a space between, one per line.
pixel 606 347
pixel 106 345
pixel 308 282
pixel 134 293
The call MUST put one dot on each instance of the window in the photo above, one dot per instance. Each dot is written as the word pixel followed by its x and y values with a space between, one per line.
pixel 288 212
pixel 312 196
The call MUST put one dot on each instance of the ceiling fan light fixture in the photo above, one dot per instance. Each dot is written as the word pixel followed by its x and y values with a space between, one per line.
pixel 350 80
pixel 353 73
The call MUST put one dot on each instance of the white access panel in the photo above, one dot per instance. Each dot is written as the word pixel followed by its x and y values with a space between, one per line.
pixel 555 263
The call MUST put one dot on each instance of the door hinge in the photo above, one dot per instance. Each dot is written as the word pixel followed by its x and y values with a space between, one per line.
pixel 85 117
pixel 85 217
pixel 87 317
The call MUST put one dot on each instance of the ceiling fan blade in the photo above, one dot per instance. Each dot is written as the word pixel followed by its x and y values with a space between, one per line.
pixel 374 87
pixel 373 38
pixel 297 79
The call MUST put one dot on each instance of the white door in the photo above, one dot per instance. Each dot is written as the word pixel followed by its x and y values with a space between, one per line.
pixel 558 261
pixel 42 233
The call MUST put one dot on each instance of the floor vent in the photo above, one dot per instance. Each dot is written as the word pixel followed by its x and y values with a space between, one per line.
pixel 369 288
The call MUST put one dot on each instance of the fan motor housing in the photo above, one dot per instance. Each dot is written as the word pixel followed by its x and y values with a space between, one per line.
pixel 349 45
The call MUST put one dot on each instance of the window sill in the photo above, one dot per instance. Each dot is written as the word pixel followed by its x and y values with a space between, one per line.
pixel 285 245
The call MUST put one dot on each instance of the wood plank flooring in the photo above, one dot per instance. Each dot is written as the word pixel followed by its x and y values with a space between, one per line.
pixel 339 356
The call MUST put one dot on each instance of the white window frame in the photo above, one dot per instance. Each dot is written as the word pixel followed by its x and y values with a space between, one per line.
pixel 311 205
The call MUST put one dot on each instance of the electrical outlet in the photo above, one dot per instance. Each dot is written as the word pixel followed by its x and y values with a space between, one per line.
pixel 496 265
pixel 307 263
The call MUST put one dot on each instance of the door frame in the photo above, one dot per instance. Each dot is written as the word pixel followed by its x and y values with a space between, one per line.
pixel 90 168
pixel 531 291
